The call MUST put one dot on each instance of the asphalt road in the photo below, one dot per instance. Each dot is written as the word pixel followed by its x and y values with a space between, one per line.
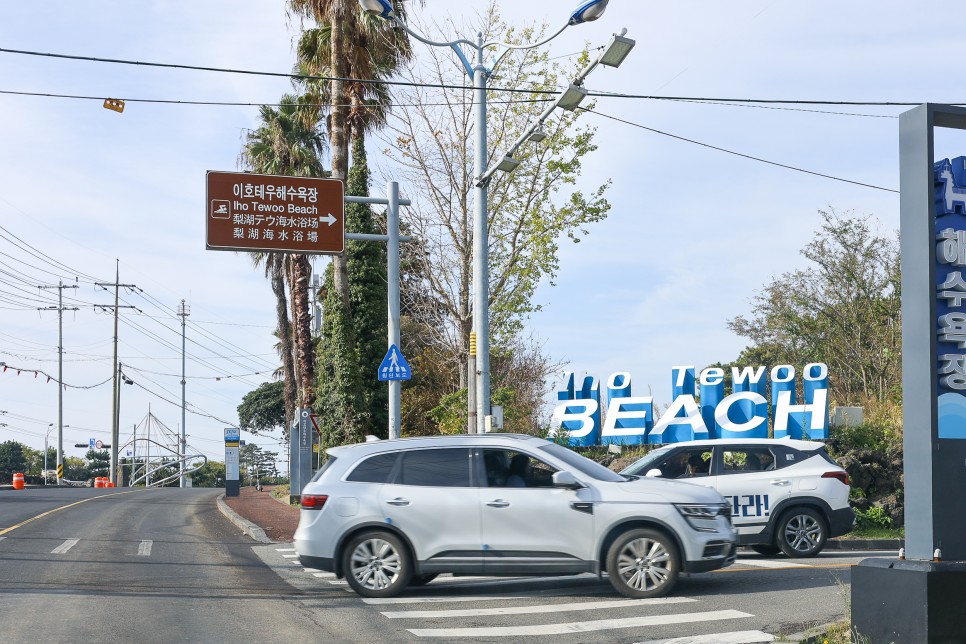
pixel 156 565
pixel 86 565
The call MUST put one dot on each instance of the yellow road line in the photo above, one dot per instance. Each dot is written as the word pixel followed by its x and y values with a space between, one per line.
pixel 63 507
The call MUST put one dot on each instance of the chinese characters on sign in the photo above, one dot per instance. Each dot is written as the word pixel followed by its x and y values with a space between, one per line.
pixel 274 213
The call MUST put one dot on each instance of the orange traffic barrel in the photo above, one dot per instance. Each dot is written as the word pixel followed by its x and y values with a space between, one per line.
pixel 18 481
pixel 99 481
pixel 109 484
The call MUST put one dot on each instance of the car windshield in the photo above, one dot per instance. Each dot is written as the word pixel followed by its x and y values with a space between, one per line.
pixel 582 464
pixel 641 467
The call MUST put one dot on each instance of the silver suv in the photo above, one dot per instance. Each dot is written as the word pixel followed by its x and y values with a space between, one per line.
pixel 390 514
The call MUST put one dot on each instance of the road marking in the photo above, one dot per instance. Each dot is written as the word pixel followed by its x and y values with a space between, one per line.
pixel 738 637
pixel 567 628
pixel 311 570
pixel 290 556
pixel 63 507
pixel 144 550
pixel 324 574
pixel 768 563
pixel 534 610
pixel 786 566
pixel 430 600
pixel 64 547
pixel 2 538
pixel 284 549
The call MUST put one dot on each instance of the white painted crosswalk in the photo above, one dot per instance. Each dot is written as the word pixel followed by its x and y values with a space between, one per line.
pixel 144 549
pixel 470 608
pixel 64 547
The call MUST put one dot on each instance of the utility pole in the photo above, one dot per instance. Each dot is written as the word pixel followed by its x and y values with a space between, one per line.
pixel 60 371
pixel 115 428
pixel 183 312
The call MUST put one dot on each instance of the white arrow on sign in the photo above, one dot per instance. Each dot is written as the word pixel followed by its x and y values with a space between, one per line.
pixel 329 219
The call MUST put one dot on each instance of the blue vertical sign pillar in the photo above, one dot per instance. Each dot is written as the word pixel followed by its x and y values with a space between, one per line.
pixel 919 598
pixel 232 475
pixel 580 417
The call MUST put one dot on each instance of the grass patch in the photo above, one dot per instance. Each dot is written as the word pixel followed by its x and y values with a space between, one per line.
pixel 280 492
pixel 876 533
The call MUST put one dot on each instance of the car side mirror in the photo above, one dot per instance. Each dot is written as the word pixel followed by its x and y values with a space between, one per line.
pixel 567 480
pixel 654 472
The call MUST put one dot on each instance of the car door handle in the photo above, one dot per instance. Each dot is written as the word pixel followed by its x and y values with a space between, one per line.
pixel 781 482
pixel 498 503
pixel 398 501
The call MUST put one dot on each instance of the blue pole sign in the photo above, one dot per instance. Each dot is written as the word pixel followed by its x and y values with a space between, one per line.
pixel 394 366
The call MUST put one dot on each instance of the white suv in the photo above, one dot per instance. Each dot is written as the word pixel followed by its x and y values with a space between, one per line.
pixel 786 495
pixel 391 514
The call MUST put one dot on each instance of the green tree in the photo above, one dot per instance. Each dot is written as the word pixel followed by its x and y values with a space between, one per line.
pixel 98 462
pixel 211 474
pixel 531 210
pixel 288 143
pixel 844 309
pixel 13 460
pixel 263 409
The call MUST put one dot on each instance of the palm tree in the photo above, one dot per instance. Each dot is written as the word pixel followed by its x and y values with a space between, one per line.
pixel 350 44
pixel 288 143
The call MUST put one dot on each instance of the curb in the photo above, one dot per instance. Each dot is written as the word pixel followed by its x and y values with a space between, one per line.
pixel 243 524
pixel 863 544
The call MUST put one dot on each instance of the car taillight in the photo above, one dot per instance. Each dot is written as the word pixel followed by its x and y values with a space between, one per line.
pixel 842 476
pixel 313 501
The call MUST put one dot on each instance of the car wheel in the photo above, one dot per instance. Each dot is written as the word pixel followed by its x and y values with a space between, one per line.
pixel 422 580
pixel 376 564
pixel 768 550
pixel 643 563
pixel 802 533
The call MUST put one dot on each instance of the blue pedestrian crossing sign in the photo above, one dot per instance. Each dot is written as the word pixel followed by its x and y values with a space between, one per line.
pixel 394 366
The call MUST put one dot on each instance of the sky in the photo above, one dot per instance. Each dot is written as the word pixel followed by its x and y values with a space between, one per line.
pixel 693 233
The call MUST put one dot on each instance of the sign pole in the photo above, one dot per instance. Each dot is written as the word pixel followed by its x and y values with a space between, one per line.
pixel 392 228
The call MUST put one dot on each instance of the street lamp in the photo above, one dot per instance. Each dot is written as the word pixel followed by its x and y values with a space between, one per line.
pixel 587 11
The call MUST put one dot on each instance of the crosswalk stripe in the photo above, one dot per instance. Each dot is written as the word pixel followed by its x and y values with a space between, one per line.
pixel 432 600
pixel 534 610
pixel 284 549
pixel 64 547
pixel 324 574
pixel 290 556
pixel 2 538
pixel 578 627
pixel 144 550
pixel 768 563
pixel 737 637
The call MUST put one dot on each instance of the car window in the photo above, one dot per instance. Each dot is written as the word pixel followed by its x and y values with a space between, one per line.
pixel 375 469
pixel 510 468
pixel 687 463
pixel 447 467
pixel 746 459
pixel 649 462
pixel 582 465
pixel 328 463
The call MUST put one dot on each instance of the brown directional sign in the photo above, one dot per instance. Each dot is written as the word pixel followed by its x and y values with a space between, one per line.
pixel 274 213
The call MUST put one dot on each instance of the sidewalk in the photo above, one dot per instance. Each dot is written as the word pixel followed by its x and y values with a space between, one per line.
pixel 277 519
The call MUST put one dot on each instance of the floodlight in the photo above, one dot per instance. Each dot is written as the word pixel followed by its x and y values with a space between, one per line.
pixel 616 51
pixel 588 11
pixel 537 135
pixel 571 97
pixel 381 8
pixel 508 164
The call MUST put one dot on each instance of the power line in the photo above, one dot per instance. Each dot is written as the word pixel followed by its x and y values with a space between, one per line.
pixel 368 81
pixel 738 154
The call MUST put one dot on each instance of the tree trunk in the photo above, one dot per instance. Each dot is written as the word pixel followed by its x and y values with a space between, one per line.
pixel 304 353
pixel 285 339
pixel 337 133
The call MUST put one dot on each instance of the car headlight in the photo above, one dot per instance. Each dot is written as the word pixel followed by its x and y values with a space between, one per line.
pixel 703 517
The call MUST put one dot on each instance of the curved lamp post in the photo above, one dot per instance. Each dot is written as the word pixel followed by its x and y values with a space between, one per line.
pixel 587 11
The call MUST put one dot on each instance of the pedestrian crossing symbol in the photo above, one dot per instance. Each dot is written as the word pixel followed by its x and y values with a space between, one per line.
pixel 394 366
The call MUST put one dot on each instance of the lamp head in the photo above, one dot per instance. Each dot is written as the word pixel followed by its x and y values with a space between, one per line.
pixel 588 11
pixel 381 8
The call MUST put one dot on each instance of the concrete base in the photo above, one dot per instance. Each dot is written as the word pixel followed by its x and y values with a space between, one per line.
pixel 232 488
pixel 909 602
